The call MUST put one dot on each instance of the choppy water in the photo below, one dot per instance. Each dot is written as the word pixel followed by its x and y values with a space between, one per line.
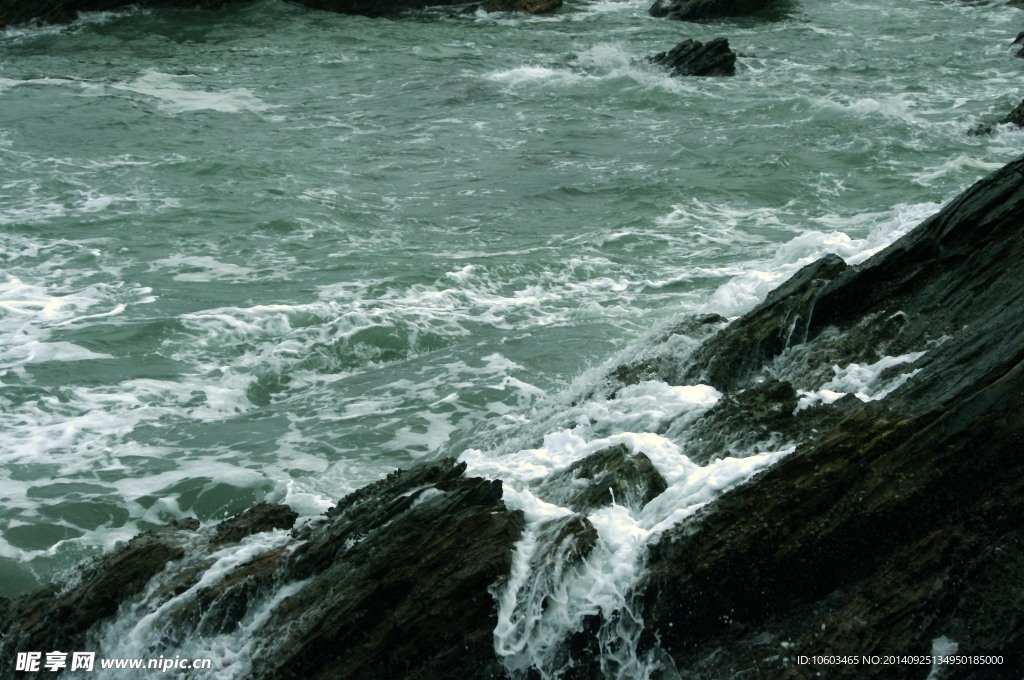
pixel 273 253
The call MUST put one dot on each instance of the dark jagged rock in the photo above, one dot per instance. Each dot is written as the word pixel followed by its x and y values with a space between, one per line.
pixel 609 474
pixel 60 617
pixel 665 364
pixel 392 563
pixel 14 12
pixel 898 525
pixel 693 58
pixel 257 519
pixel 728 360
pixel 372 580
pixel 740 422
pixel 698 10
pixel 1015 117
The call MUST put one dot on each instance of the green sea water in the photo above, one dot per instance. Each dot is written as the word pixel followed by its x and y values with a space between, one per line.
pixel 272 253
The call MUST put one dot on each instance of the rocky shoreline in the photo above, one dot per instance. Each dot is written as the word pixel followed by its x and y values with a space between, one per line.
pixel 892 526
pixel 891 529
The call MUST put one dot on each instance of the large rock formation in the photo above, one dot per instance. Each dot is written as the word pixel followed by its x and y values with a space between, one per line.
pixel 395 582
pixel 694 58
pixel 698 10
pixel 896 529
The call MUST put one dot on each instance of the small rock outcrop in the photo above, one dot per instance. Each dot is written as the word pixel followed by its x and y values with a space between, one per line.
pixel 607 476
pixel 402 573
pixel 257 519
pixel 694 58
pixel 1015 117
pixel 698 10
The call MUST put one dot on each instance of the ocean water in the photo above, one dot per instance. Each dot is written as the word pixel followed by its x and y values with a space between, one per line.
pixel 273 253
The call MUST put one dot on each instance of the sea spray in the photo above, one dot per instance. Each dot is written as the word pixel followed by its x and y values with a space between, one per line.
pixel 538 612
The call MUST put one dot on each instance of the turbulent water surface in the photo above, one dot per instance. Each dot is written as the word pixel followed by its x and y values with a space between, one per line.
pixel 272 253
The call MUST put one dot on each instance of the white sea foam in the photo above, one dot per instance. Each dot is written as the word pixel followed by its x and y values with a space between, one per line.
pixel 743 292
pixel 953 166
pixel 942 646
pixel 532 624
pixel 142 627
pixel 203 268
pixel 860 380
pixel 521 75
pixel 174 95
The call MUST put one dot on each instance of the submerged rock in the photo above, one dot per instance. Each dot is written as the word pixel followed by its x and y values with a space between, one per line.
pixel 697 10
pixel 693 58
pixel 1015 117
pixel 607 476
pixel 895 527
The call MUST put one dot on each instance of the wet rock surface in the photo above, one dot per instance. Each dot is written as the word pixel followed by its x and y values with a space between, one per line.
pixel 360 592
pixel 401 582
pixel 610 475
pixel 672 346
pixel 697 10
pixel 1015 117
pixel 729 359
pixel 762 417
pixel 693 58
pixel 893 527
pixel 257 519
pixel 60 616
pixel 894 524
